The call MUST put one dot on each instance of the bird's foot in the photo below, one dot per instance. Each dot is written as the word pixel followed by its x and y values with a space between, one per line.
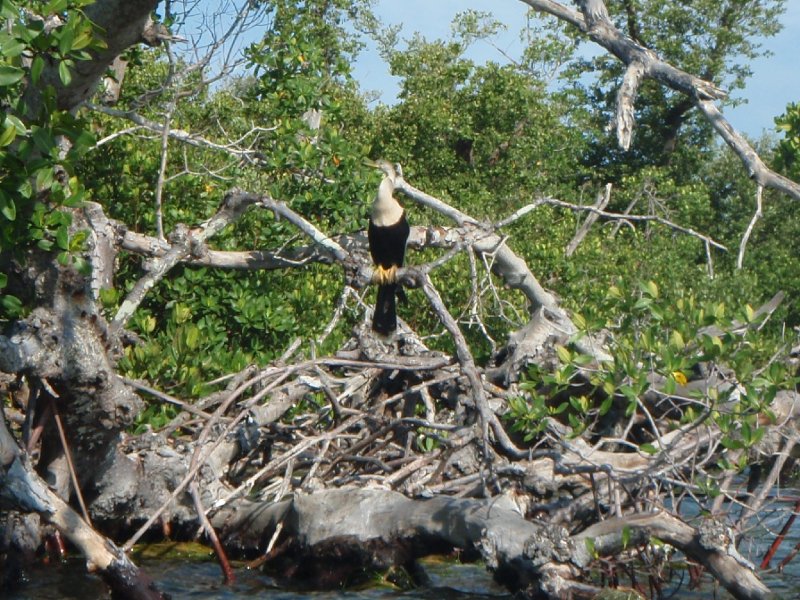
pixel 391 275
pixel 383 276
pixel 378 275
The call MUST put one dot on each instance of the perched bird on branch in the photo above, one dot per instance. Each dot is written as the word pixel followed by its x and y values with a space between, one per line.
pixel 388 233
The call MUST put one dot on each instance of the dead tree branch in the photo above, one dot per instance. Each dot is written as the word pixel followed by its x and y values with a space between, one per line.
pixel 648 64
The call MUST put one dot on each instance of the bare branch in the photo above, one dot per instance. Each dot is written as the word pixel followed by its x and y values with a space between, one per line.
pixel 626 103
pixel 756 216
pixel 636 218
pixel 488 418
pixel 756 168
pixel 602 201
pixel 702 93
pixel 233 148
pixel 709 545
pixel 183 242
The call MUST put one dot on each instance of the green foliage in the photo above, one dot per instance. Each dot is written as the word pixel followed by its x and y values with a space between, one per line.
pixel 665 340
pixel 198 324
pixel 487 138
pixel 788 154
pixel 38 179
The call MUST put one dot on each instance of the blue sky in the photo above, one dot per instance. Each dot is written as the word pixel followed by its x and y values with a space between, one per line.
pixel 776 81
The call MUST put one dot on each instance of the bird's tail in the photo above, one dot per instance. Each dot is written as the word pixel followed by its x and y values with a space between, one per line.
pixel 384 317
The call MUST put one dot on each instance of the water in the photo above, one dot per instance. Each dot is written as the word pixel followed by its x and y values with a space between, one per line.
pixel 185 580
pixel 192 579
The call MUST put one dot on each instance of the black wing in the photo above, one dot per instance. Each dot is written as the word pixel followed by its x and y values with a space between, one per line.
pixel 387 245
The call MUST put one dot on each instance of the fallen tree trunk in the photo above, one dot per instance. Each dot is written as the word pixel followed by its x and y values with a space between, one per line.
pixel 352 531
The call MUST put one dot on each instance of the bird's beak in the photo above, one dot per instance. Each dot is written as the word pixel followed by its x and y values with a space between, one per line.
pixel 369 163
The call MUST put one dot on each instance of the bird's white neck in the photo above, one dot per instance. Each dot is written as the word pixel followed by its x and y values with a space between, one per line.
pixel 386 210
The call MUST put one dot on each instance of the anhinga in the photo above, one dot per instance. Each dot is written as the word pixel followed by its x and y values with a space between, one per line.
pixel 388 234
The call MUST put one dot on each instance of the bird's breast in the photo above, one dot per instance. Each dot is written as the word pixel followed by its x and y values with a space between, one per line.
pixel 386 214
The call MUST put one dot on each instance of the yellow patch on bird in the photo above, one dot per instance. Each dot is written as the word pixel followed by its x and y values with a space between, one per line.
pixel 679 377
pixel 383 276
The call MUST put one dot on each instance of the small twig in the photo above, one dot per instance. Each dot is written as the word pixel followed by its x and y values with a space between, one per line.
pixel 312 471
pixel 202 451
pixel 341 304
pixel 70 464
pixel 636 218
pixel 600 203
pixel 487 417
pixel 282 210
pixel 162 170
pixel 279 461
pixel 709 260
pixel 186 406
pixel 766 487
pixel 224 563
pixel 254 564
pixel 781 536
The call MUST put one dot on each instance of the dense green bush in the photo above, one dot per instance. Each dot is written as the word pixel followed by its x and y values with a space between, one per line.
pixel 486 138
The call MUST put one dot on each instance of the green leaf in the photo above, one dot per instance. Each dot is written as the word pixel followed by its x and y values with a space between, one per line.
pixel 606 406
pixel 109 296
pixel 8 209
pixel 83 266
pixel 564 355
pixel 650 288
pixel 192 336
pixel 21 129
pixel 64 73
pixel 648 449
pixel 44 178
pixel 11 304
pixel 62 238
pixel 65 43
pixel 676 340
pixel 83 39
pixel 44 140
pixel 148 324
pixel 11 47
pixel 626 536
pixel 77 241
pixel 750 313
pixel 8 10
pixel 182 313
pixel 590 547
pixel 8 135
pixel 55 6
pixel 37 66
pixel 3 280
pixel 10 75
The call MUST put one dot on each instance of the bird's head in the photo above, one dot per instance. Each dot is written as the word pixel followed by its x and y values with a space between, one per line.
pixel 385 167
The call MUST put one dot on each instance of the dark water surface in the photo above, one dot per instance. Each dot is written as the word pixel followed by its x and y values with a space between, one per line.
pixel 188 579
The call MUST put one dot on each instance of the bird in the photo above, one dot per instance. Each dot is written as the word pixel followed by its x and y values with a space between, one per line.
pixel 388 233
